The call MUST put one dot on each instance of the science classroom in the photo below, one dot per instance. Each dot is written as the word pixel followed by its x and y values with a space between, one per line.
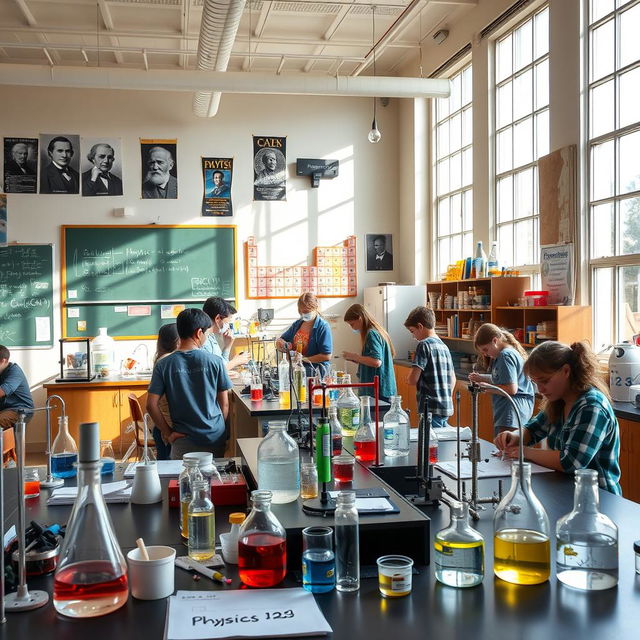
pixel 373 367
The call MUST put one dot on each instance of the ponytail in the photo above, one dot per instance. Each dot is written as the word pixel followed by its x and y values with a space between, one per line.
pixel 485 334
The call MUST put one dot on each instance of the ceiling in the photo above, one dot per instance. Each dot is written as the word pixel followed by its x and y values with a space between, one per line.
pixel 301 36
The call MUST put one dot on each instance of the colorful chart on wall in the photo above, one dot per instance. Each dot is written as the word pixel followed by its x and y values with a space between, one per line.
pixel 332 275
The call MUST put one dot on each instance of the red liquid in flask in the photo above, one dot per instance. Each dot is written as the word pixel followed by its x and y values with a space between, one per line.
pixel 433 454
pixel 343 472
pixel 89 589
pixel 336 445
pixel 262 559
pixel 31 489
pixel 256 393
pixel 365 451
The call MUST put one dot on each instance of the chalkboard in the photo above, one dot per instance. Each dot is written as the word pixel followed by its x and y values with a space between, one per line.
pixel 26 295
pixel 108 271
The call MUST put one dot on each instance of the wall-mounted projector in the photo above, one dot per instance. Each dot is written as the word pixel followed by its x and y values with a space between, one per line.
pixel 317 169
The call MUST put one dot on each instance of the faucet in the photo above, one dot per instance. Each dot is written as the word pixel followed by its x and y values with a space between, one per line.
pixel 146 354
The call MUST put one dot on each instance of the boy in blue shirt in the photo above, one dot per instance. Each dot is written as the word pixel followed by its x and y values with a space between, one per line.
pixel 14 390
pixel 221 312
pixel 195 384
pixel 432 372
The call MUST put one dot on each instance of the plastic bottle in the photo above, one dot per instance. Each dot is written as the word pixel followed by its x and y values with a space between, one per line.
pixel 279 464
pixel 299 377
pixel 190 472
pixel 262 545
pixel 480 261
pixel 459 550
pixel 433 441
pixel 348 409
pixel 229 541
pixel 202 522
pixel 323 450
pixel 284 384
pixel 587 540
pixel 395 429
pixel 493 264
pixel 91 578
pixel 347 542
pixel 364 442
pixel 64 453
pixel 336 431
pixel 107 457
pixel 103 353
pixel 521 547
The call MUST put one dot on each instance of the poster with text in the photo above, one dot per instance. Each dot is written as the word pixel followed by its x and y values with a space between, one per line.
pixel 159 169
pixel 101 167
pixel 217 174
pixel 59 163
pixel 20 165
pixel 269 168
pixel 3 220
pixel 556 268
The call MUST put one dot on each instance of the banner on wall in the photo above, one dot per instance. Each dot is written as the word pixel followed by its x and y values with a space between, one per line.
pixel 20 165
pixel 159 169
pixel 556 267
pixel 269 167
pixel 217 174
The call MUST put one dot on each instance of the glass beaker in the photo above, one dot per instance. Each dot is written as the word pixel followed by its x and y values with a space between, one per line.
pixel 190 472
pixel 318 560
pixel 348 409
pixel 336 431
pixel 64 453
pixel 262 545
pixel 308 481
pixel 587 540
pixel 343 466
pixel 459 550
pixel 394 576
pixel 202 522
pixel 31 479
pixel 256 387
pixel 395 427
pixel 91 578
pixel 107 457
pixel 521 532
pixel 279 464
pixel 347 542
pixel 364 442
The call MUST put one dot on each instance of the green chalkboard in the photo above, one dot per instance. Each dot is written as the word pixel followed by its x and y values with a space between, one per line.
pixel 108 269
pixel 26 295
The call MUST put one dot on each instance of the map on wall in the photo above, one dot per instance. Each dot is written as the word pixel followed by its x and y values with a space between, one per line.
pixel 333 274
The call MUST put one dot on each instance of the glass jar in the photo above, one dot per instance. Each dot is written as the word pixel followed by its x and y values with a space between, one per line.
pixel 395 429
pixel 364 442
pixel 64 453
pixel 348 409
pixel 309 481
pixel 347 542
pixel 279 464
pixel 587 540
pixel 103 353
pixel 190 473
pixel 521 532
pixel 107 457
pixel 262 545
pixel 336 431
pixel 202 522
pixel 459 550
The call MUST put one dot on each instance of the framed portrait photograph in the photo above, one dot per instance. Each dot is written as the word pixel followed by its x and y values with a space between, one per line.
pixel 59 163
pixel 101 167
pixel 379 251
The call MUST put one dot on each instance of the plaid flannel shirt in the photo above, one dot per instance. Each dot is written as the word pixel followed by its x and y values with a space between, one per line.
pixel 588 439
pixel 433 358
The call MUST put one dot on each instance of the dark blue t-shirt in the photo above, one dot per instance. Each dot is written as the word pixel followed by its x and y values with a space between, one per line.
pixel 16 388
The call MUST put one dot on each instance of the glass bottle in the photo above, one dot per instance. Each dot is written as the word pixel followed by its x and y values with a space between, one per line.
pixel 433 441
pixel 348 409
pixel 395 428
pixel 262 545
pixel 364 442
pixel 202 522
pixel 493 262
pixel 103 353
pixel 190 472
pixel 256 387
pixel 587 540
pixel 480 261
pixel 91 577
pixel 64 453
pixel 299 377
pixel 459 550
pixel 347 542
pixel 107 457
pixel 521 532
pixel 279 464
pixel 284 384
pixel 336 431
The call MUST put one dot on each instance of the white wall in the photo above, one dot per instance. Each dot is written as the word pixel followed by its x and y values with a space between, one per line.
pixel 364 198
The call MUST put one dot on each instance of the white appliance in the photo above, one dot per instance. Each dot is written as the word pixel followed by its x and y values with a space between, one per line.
pixel 624 371
pixel 390 305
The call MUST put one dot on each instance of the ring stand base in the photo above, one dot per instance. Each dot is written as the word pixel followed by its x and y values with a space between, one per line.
pixel 51 484
pixel 34 600
pixel 314 507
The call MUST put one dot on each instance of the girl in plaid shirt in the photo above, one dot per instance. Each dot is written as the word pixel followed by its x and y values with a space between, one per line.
pixel 576 418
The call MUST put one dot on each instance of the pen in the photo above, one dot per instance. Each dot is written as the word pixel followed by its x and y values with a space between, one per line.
pixel 212 574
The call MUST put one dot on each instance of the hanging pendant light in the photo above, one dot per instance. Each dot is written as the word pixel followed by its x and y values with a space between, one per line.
pixel 374 135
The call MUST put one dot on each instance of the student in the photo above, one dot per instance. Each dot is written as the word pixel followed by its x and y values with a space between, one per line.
pixel 503 357
pixel 576 418
pixel 310 334
pixel 432 372
pixel 377 352
pixel 14 391
pixel 221 312
pixel 196 384
pixel 168 341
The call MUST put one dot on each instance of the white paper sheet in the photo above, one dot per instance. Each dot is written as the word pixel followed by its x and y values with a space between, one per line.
pixel 112 491
pixel 444 433
pixel 166 468
pixel 73 312
pixel 495 468
pixel 43 329
pixel 207 615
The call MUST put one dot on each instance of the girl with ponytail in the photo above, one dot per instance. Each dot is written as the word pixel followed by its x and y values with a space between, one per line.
pixel 503 357
pixel 576 418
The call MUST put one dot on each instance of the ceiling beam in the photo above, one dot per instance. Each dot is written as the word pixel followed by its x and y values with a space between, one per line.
pixel 328 34
pixel 52 56
pixel 184 28
pixel 26 12
pixel 107 19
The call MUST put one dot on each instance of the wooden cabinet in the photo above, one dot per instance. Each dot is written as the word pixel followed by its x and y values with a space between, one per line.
pixel 629 456
pixel 407 391
pixel 485 412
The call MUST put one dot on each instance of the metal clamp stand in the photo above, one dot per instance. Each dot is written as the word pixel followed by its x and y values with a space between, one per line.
pixel 22 599
pixel 50 481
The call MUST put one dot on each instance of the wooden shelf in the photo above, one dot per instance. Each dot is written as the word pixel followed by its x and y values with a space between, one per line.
pixel 465 310
pixel 545 308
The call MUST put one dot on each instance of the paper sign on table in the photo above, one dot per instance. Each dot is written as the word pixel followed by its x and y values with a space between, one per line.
pixel 495 468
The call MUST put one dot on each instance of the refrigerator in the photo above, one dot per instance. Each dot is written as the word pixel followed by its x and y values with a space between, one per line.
pixel 390 305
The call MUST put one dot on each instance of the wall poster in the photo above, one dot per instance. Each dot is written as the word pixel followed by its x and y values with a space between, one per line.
pixel 159 169
pixel 20 165
pixel 217 174
pixel 269 167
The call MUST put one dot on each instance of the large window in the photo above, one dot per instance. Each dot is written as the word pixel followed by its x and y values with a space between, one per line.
pixel 521 97
pixel 453 173
pixel 613 157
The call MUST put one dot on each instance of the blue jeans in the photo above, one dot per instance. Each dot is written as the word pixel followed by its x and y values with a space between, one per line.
pixel 163 451
pixel 438 421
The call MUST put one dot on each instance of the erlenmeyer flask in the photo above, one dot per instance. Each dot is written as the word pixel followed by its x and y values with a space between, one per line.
pixel 521 547
pixel 91 578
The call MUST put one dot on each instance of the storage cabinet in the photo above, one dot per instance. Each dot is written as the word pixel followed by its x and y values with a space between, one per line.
pixel 407 391
pixel 629 456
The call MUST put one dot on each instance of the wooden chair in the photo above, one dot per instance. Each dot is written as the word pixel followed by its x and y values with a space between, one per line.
pixel 138 426
pixel 9 446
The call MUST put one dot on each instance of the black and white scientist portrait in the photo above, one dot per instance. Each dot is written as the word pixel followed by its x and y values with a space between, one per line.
pixel 379 252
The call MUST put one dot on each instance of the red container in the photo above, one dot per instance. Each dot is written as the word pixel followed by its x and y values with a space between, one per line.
pixel 227 492
pixel 537 298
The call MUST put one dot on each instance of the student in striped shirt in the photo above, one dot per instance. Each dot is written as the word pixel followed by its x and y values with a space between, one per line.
pixel 577 419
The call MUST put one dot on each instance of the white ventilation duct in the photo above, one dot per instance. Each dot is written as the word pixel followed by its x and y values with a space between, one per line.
pixel 225 81
pixel 218 29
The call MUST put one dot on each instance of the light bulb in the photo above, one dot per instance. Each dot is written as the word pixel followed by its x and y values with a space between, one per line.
pixel 374 135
